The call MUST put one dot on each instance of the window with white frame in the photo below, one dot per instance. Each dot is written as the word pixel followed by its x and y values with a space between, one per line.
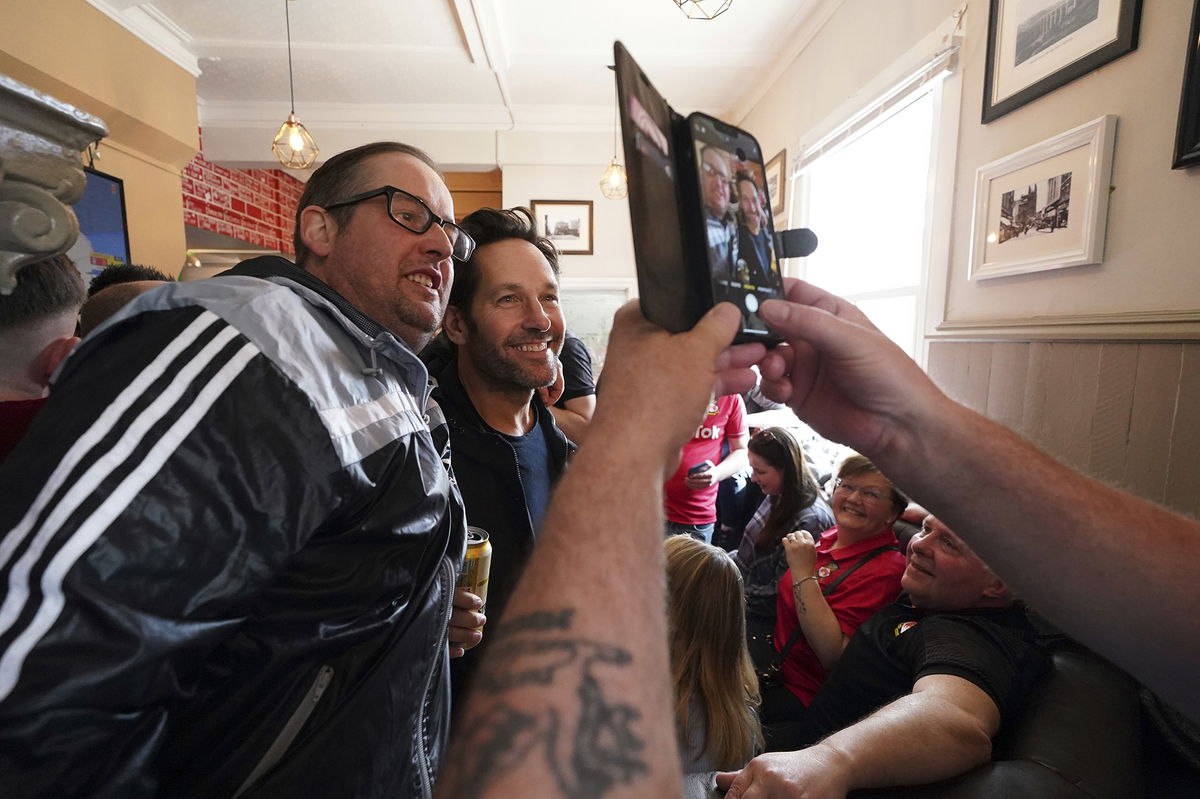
pixel 873 189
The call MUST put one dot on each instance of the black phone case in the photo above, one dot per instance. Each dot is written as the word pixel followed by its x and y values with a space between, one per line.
pixel 675 284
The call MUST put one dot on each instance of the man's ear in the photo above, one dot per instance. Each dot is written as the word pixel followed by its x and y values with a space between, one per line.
pixel 54 353
pixel 996 589
pixel 317 230
pixel 455 325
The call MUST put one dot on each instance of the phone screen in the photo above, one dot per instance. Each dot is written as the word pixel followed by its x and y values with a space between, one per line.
pixel 739 230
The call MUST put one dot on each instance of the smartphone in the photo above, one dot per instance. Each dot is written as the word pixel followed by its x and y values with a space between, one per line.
pixel 739 230
pixel 699 468
pixel 687 227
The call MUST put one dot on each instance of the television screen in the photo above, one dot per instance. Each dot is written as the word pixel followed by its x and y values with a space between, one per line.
pixel 103 235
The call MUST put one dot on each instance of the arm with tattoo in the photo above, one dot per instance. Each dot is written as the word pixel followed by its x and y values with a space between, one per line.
pixel 574 698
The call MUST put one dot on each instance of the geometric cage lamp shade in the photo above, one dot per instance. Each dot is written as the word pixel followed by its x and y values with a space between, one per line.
pixel 703 9
pixel 293 145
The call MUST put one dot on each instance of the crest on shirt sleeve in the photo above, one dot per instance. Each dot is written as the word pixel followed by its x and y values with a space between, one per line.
pixel 903 627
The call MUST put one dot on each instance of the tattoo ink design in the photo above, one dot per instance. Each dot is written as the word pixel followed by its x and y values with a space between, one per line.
pixel 590 750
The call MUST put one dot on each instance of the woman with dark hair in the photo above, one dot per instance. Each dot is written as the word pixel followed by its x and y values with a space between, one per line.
pixel 792 501
pixel 834 583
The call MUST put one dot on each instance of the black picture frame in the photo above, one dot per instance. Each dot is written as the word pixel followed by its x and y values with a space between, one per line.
pixel 1125 41
pixel 567 223
pixel 1187 135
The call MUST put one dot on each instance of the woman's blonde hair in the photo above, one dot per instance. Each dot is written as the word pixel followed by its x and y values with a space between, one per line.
pixel 708 650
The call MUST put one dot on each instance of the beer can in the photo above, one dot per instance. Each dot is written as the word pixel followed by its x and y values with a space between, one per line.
pixel 478 563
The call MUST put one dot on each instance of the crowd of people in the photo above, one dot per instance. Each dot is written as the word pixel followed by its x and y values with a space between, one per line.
pixel 234 520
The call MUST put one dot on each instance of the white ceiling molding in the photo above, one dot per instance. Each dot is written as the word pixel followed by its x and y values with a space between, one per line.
pixel 808 21
pixel 218 48
pixel 154 29
pixel 457 116
pixel 385 69
pixel 496 50
pixel 464 13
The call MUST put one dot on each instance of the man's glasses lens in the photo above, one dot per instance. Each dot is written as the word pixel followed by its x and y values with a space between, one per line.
pixel 412 214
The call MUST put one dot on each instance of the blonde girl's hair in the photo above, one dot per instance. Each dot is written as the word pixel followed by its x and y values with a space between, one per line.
pixel 708 650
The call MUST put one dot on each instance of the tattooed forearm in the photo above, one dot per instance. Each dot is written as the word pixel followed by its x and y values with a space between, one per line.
pixel 586 739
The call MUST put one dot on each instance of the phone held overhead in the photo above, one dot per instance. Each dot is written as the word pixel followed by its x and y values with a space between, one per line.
pixel 703 232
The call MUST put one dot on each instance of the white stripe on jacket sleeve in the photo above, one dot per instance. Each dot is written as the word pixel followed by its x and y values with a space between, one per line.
pixel 12 658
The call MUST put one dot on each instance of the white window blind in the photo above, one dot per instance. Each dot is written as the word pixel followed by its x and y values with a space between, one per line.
pixel 940 64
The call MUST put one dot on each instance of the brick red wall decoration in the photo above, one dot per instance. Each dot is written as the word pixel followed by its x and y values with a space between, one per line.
pixel 256 206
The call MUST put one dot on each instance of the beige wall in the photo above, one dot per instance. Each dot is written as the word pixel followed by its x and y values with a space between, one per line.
pixel 1150 261
pixel 612 247
pixel 1127 413
pixel 73 52
pixel 861 39
pixel 1151 230
pixel 1119 405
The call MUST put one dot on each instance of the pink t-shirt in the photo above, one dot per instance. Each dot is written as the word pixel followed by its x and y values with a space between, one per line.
pixel 725 418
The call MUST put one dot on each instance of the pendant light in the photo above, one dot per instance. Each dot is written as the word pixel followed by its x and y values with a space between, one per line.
pixel 703 9
pixel 614 183
pixel 293 145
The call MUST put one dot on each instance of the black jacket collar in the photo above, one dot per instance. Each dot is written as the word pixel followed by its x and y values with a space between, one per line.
pixel 461 412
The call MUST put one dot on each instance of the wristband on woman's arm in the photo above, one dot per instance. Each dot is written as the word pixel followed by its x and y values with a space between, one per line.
pixel 796 586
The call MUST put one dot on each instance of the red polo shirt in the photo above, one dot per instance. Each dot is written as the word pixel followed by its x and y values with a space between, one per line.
pixel 724 419
pixel 861 595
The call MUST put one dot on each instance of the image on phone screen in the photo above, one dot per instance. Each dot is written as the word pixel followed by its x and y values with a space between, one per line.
pixel 737 219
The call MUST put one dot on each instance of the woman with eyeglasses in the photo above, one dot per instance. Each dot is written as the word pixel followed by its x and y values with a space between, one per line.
pixel 833 584
pixel 792 501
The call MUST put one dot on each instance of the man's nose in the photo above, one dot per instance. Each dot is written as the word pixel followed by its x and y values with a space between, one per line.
pixel 919 542
pixel 537 318
pixel 437 238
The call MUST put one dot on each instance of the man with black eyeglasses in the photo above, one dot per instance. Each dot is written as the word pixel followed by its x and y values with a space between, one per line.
pixel 720 221
pixel 229 557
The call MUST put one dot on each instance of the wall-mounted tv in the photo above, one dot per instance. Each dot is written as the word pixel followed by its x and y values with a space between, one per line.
pixel 103 233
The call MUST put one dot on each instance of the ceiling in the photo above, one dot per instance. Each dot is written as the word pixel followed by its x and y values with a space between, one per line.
pixel 468 76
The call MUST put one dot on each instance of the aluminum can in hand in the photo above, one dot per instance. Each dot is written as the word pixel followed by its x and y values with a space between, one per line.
pixel 477 564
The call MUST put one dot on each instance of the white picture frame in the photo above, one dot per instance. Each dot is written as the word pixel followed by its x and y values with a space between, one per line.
pixel 1044 207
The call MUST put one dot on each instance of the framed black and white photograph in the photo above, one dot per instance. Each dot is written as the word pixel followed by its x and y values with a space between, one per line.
pixel 776 181
pixel 1037 46
pixel 567 223
pixel 1187 135
pixel 1046 206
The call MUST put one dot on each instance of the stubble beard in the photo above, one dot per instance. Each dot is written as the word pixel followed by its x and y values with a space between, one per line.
pixel 416 324
pixel 497 365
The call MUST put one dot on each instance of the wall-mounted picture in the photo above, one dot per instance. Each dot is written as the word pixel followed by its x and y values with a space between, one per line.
pixel 1187 135
pixel 777 182
pixel 567 223
pixel 1037 46
pixel 1046 206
